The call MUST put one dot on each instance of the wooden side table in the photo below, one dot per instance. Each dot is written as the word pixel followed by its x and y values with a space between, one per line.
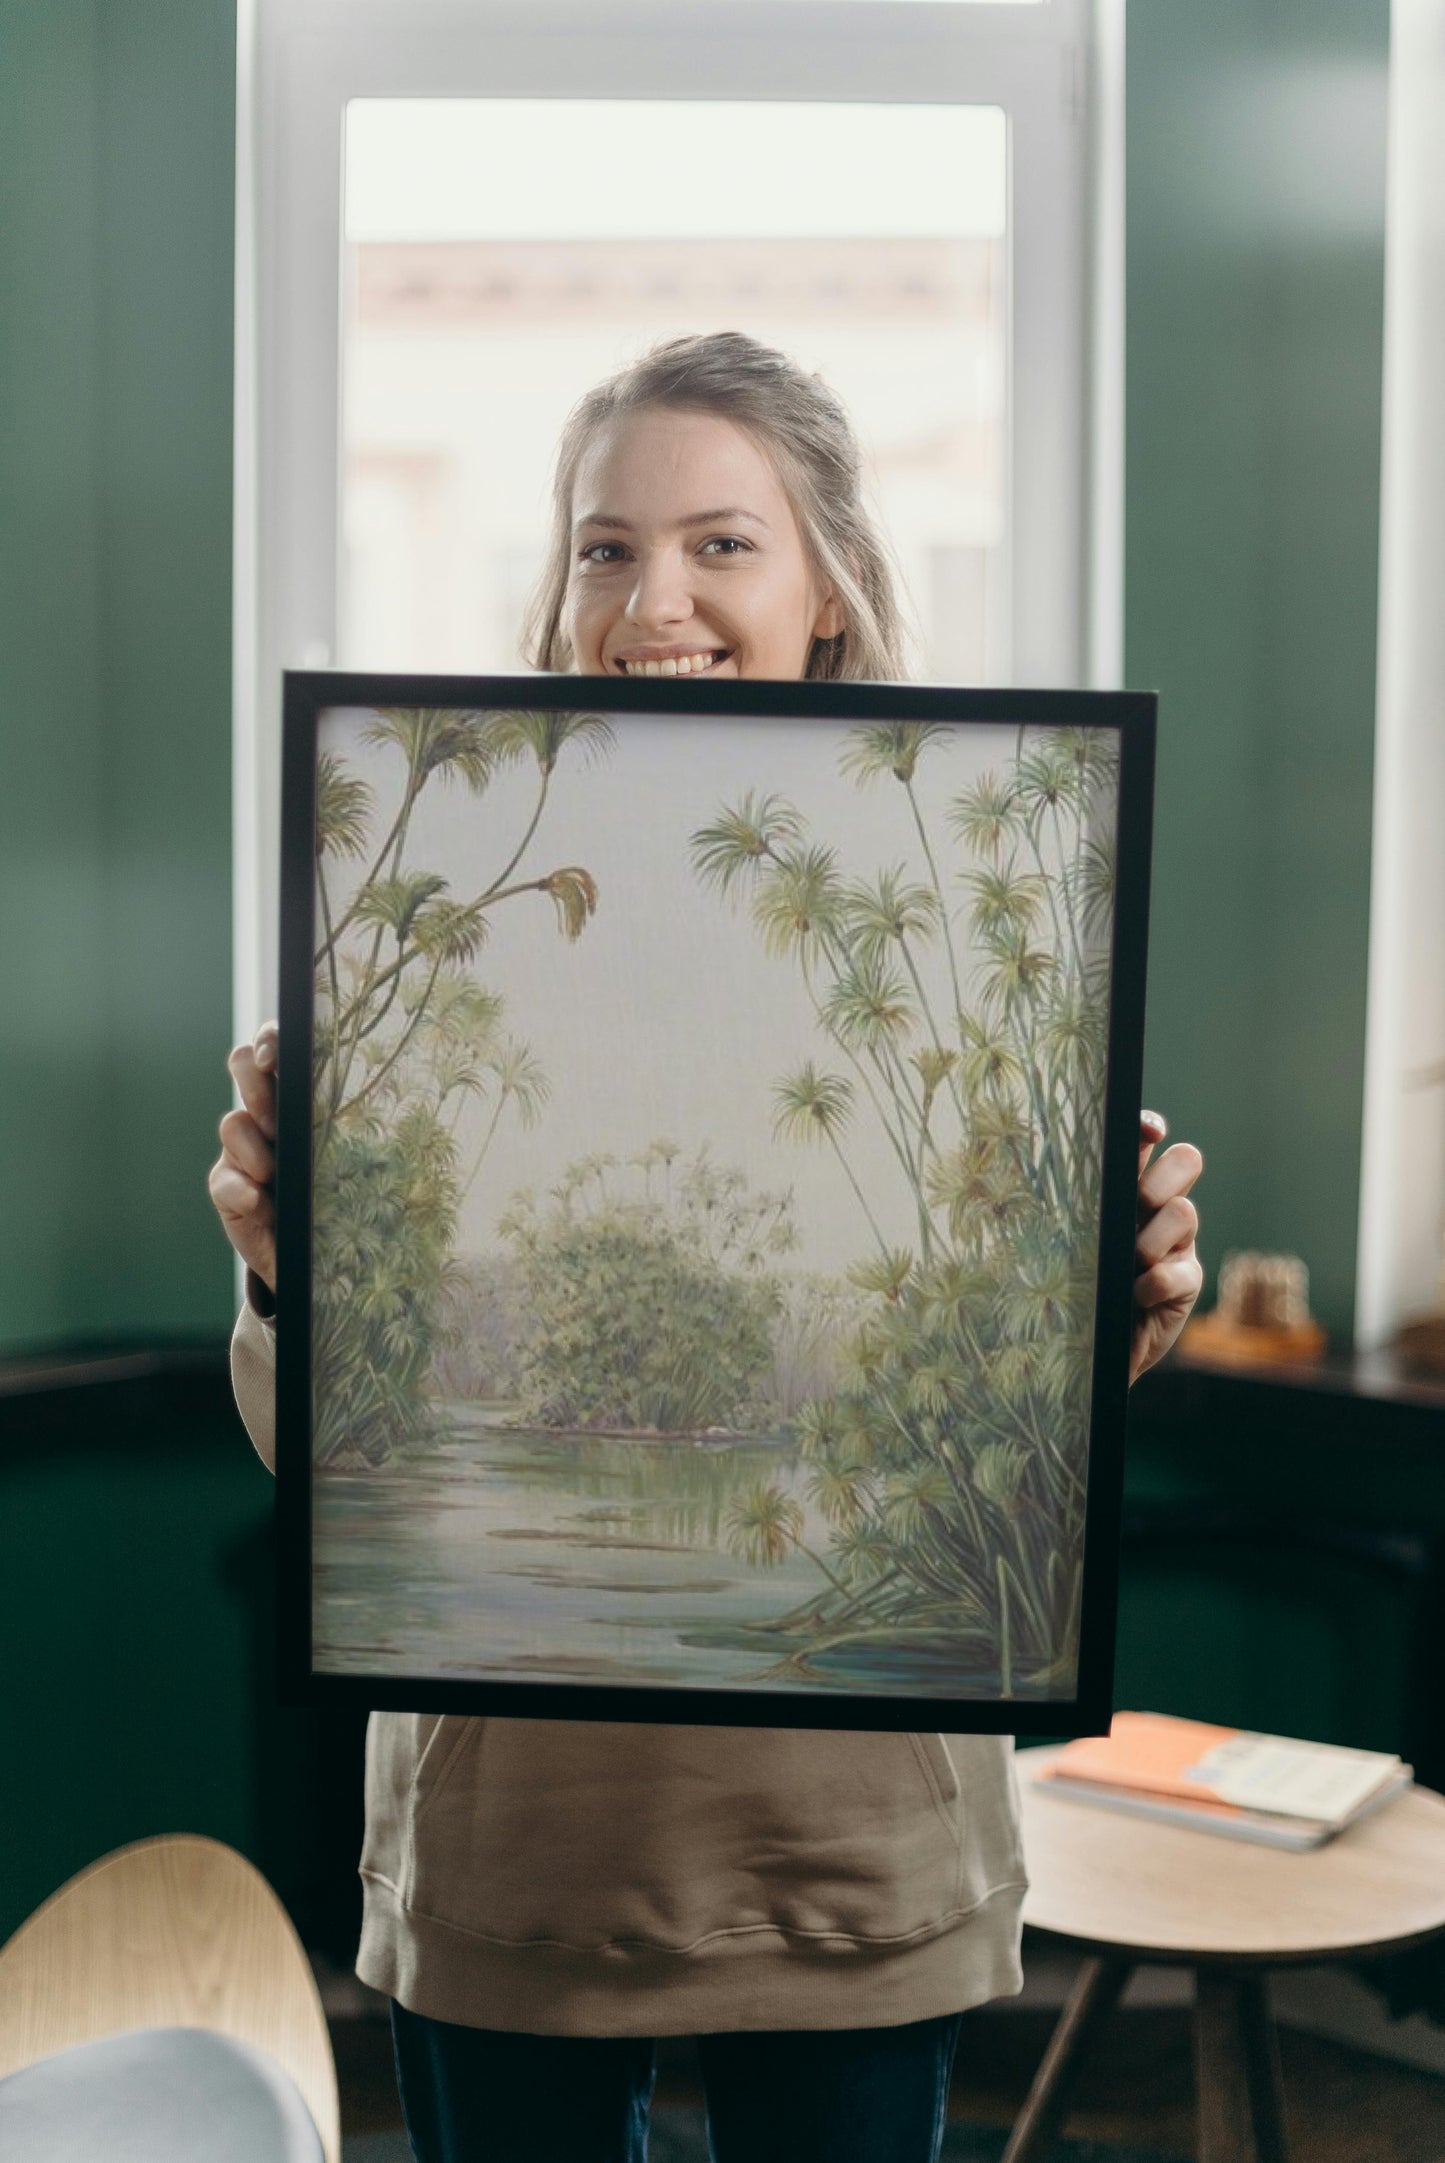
pixel 1125 1890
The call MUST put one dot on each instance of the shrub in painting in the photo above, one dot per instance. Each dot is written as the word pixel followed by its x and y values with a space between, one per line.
pixel 648 1310
pixel 385 1218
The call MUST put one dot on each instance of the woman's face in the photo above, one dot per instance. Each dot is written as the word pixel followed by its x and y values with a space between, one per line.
pixel 686 557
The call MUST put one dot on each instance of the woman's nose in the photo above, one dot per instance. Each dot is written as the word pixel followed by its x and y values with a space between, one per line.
pixel 661 595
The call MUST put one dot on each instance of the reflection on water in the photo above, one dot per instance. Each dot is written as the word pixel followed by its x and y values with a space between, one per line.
pixel 502 1553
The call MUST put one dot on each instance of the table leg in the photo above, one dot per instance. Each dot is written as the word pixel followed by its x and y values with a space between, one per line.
pixel 1095 1993
pixel 1261 2044
pixel 1241 2116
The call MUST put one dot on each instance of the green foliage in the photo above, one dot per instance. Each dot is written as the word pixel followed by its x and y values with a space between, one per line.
pixel 754 830
pixel 650 1302
pixel 477 1332
pixel 385 1218
pixel 343 808
pixel 765 1526
pixel 414 1068
pixel 965 1019
pixel 814 1318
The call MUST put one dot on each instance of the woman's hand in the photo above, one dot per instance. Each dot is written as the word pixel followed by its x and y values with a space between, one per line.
pixel 242 1175
pixel 1168 1275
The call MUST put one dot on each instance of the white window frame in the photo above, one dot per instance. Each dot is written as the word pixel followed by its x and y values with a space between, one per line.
pixel 300 63
pixel 1402 1166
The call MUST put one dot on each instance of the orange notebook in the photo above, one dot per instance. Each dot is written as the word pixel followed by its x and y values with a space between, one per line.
pixel 1198 1763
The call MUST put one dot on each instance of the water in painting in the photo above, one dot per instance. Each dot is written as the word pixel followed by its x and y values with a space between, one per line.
pixel 707 1142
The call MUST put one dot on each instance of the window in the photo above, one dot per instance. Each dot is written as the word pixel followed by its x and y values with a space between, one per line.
pixel 867 240
pixel 451 223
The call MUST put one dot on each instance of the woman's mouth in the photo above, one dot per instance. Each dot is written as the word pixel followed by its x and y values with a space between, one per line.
pixel 677 664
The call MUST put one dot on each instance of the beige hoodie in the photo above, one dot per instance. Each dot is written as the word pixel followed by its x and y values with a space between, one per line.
pixel 580 1878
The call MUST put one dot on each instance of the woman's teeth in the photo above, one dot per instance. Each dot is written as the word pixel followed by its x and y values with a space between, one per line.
pixel 686 664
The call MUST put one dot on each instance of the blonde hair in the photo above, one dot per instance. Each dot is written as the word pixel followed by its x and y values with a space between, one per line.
pixel 806 431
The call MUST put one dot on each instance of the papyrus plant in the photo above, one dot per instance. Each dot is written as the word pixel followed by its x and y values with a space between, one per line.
pixel 959 996
pixel 414 1067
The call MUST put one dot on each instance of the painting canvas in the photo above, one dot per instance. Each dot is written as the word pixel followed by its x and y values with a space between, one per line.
pixel 706 1210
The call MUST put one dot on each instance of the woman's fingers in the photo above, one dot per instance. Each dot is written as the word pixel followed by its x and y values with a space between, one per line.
pixel 1153 1127
pixel 1172 1174
pixel 1169 1276
pixel 248 1216
pixel 244 1144
pixel 256 1087
pixel 237 1197
pixel 240 1180
pixel 1171 1227
pixel 253 1069
pixel 1174 1282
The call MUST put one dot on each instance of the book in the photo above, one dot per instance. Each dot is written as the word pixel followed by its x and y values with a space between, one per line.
pixel 1234 1781
pixel 1267 1828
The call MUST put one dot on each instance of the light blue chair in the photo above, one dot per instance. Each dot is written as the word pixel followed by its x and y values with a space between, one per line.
pixel 159 2007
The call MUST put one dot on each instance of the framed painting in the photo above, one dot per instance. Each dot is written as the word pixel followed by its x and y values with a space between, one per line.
pixel 708 1139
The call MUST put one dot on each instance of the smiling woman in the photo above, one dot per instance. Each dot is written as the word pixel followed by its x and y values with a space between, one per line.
pixel 676 591
pixel 542 1896
pixel 646 577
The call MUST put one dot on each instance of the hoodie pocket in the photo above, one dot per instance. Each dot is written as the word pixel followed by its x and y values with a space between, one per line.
pixel 453 1738
pixel 669 1836
pixel 405 1753
pixel 452 1734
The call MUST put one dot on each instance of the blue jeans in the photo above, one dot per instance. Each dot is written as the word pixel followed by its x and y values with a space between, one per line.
pixel 845 2095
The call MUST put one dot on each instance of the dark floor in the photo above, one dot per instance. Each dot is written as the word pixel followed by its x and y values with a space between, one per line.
pixel 1343 2105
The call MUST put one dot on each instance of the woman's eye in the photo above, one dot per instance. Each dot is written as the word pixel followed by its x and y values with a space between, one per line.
pixel 726 544
pixel 602 552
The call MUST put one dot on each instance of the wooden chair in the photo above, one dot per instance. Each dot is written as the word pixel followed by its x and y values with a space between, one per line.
pixel 177 1932
pixel 1126 1890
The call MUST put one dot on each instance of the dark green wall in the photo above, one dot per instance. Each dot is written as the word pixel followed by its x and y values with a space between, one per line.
pixel 52 1039
pixel 138 1695
pixel 136 1523
pixel 1255 266
pixel 117 138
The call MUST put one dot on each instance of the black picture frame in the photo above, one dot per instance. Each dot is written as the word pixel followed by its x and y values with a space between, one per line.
pixel 1131 717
